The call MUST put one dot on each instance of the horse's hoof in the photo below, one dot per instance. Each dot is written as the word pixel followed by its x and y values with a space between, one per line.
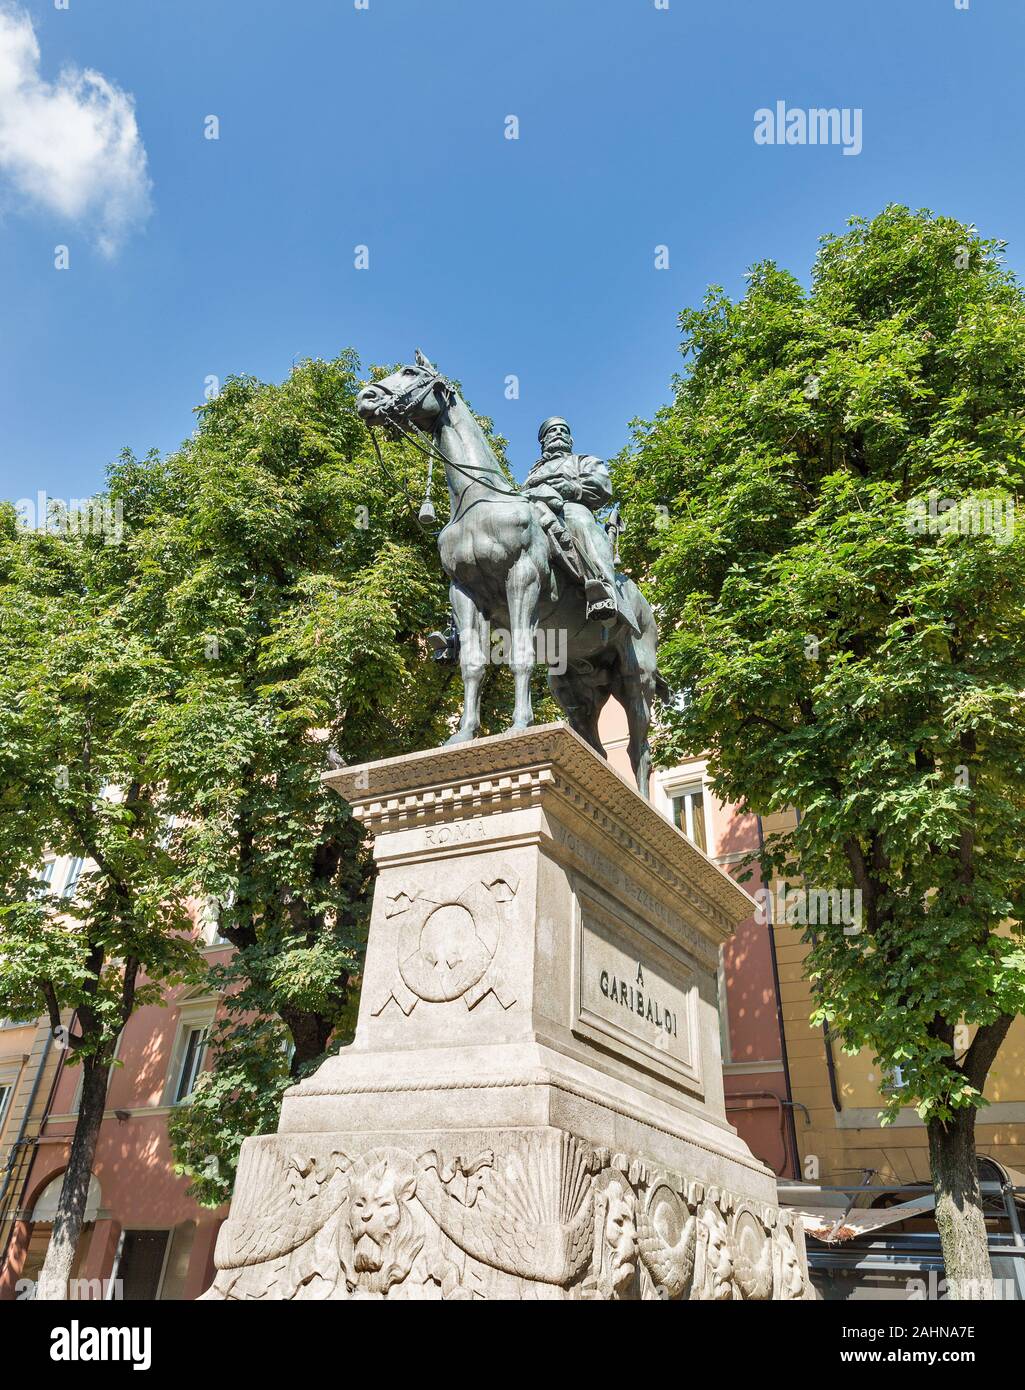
pixel 460 736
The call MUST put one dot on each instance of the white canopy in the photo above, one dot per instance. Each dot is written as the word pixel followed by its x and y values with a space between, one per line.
pixel 45 1208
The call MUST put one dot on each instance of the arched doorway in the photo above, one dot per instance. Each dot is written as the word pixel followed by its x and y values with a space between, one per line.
pixel 40 1217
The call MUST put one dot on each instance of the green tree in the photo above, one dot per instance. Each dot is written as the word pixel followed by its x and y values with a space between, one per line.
pixel 168 704
pixel 79 692
pixel 829 505
pixel 288 584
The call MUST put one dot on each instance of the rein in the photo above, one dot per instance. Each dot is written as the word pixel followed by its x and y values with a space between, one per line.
pixel 419 440
pixel 421 516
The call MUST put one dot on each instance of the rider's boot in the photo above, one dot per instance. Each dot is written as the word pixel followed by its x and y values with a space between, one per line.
pixel 601 601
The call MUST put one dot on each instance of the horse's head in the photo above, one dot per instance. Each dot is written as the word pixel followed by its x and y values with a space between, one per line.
pixel 415 395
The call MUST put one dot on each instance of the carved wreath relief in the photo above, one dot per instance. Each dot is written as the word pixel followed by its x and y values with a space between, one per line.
pixel 447 945
pixel 549 1217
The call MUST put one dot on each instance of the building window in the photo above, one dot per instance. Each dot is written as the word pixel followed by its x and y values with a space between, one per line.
pixel 192 1063
pixel 5 1096
pixel 893 1080
pixel 197 1012
pixel 140 1264
pixel 210 921
pixel 74 874
pixel 689 815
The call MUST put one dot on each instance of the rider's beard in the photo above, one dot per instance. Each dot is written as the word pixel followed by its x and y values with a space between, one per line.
pixel 554 451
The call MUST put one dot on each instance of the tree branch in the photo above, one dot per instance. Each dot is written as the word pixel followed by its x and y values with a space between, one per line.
pixel 985 1045
pixel 128 989
pixel 54 1013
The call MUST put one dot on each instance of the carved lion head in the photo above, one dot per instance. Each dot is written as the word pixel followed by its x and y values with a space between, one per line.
pixel 380 1236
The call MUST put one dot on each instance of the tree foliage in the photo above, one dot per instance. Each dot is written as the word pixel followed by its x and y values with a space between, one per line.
pixel 830 504
pixel 290 587
pixel 80 691
pixel 813 517
pixel 81 694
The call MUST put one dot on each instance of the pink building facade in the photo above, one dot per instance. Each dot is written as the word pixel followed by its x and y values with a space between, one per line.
pixel 142 1229
pixel 758 1099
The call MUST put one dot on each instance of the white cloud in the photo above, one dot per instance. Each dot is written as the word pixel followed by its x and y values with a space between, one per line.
pixel 70 146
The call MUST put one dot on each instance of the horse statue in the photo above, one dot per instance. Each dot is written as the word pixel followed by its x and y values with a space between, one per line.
pixel 497 554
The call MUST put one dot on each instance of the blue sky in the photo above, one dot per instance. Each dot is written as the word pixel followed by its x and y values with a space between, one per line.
pixel 532 257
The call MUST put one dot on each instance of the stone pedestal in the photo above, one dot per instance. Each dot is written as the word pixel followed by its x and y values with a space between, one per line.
pixel 533 1105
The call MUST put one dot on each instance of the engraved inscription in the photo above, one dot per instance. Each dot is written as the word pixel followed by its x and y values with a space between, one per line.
pixel 461 832
pixel 630 994
pixel 634 1000
pixel 606 871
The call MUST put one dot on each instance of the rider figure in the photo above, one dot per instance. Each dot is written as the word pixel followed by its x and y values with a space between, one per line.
pixel 573 487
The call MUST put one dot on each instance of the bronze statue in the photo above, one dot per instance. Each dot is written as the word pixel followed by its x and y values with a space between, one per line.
pixel 529 560
pixel 572 487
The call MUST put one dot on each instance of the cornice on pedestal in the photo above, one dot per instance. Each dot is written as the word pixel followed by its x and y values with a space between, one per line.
pixel 511 771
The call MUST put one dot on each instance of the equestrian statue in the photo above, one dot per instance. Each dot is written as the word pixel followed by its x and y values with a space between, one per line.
pixel 529 560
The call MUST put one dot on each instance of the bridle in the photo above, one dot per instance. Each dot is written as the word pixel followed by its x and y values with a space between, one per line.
pixel 406 399
pixel 406 402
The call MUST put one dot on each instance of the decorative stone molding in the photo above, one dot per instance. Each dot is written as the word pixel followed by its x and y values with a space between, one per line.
pixel 314 1086
pixel 447 944
pixel 537 1214
pixel 512 771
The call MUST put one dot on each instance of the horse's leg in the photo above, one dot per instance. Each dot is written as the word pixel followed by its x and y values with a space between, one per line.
pixel 634 688
pixel 638 720
pixel 474 641
pixel 581 701
pixel 522 595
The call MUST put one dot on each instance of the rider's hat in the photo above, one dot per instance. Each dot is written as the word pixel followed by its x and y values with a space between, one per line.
pixel 546 425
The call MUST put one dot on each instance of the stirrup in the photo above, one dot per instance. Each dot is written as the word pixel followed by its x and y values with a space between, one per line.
pixel 601 604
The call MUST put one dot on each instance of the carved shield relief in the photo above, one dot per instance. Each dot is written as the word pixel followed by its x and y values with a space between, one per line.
pixel 447 945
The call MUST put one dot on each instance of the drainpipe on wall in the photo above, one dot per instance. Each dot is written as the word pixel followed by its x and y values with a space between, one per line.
pixel 16 1146
pixel 42 1122
pixel 784 1057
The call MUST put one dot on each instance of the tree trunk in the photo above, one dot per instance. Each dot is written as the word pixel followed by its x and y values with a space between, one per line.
pixel 959 1215
pixel 67 1223
pixel 310 1034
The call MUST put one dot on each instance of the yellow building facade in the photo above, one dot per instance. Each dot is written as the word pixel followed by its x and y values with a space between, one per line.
pixel 840 1137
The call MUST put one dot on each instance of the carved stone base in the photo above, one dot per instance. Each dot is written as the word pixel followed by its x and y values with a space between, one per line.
pixel 498 1214
pixel 533 1103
